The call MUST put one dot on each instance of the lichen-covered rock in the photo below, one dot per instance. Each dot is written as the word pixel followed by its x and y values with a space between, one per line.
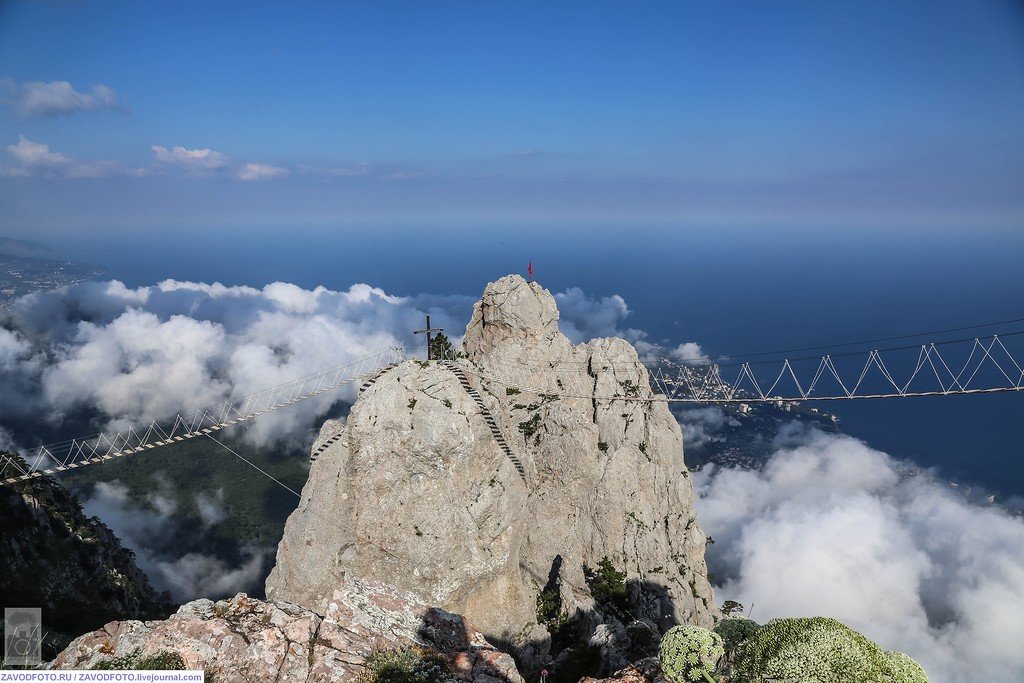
pixel 243 639
pixel 420 492
pixel 689 653
pixel 819 650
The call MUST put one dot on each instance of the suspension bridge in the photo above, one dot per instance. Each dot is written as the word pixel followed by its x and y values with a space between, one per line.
pixel 982 366
pixel 976 365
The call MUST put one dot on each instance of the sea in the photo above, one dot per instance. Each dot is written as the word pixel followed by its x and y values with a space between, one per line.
pixel 737 291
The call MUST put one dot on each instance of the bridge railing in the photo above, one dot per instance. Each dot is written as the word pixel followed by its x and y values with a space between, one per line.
pixel 966 366
pixel 67 455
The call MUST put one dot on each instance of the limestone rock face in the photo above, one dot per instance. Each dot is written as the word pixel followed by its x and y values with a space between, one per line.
pixel 420 492
pixel 243 639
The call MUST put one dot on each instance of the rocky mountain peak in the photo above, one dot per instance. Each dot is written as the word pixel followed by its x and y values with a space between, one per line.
pixel 512 313
pixel 480 495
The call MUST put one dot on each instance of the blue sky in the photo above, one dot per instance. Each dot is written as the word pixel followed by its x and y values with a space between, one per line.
pixel 248 114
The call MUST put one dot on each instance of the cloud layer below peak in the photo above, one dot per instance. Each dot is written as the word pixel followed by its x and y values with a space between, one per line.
pixel 135 355
pixel 833 527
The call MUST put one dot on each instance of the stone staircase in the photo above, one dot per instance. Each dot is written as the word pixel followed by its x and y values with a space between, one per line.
pixel 325 445
pixel 363 387
pixel 374 377
pixel 488 417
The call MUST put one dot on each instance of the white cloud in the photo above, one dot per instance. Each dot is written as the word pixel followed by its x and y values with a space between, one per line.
pixel 197 575
pixel 133 355
pixel 145 526
pixel 7 442
pixel 583 317
pixel 361 168
pixel 112 503
pixel 194 160
pixel 37 159
pixel 402 174
pixel 832 527
pixel 701 425
pixel 261 172
pixel 211 508
pixel 36 154
pixel 56 98
pixel 690 352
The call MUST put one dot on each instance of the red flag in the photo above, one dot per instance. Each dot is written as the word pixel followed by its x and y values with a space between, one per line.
pixel 529 270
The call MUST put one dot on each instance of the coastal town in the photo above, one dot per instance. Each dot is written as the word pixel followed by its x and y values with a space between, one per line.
pixel 20 275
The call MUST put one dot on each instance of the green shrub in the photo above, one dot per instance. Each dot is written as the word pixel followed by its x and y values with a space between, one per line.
pixel 905 669
pixel 730 606
pixel 690 653
pixel 820 650
pixel 734 630
pixel 549 610
pixel 530 427
pixel 406 665
pixel 441 347
pixel 607 584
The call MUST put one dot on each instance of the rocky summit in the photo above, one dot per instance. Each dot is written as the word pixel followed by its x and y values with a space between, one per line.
pixel 243 639
pixel 478 494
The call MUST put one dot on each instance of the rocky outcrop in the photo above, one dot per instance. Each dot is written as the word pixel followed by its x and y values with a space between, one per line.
pixel 243 639
pixel 73 567
pixel 644 671
pixel 419 491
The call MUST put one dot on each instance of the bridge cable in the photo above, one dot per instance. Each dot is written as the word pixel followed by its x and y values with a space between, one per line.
pixel 310 506
pixel 845 354
pixel 867 341
pixel 256 467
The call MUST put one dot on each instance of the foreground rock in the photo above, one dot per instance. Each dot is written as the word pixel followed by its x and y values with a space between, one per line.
pixel 417 487
pixel 644 671
pixel 244 639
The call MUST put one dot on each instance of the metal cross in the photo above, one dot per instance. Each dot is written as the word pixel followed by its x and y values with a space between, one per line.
pixel 428 331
